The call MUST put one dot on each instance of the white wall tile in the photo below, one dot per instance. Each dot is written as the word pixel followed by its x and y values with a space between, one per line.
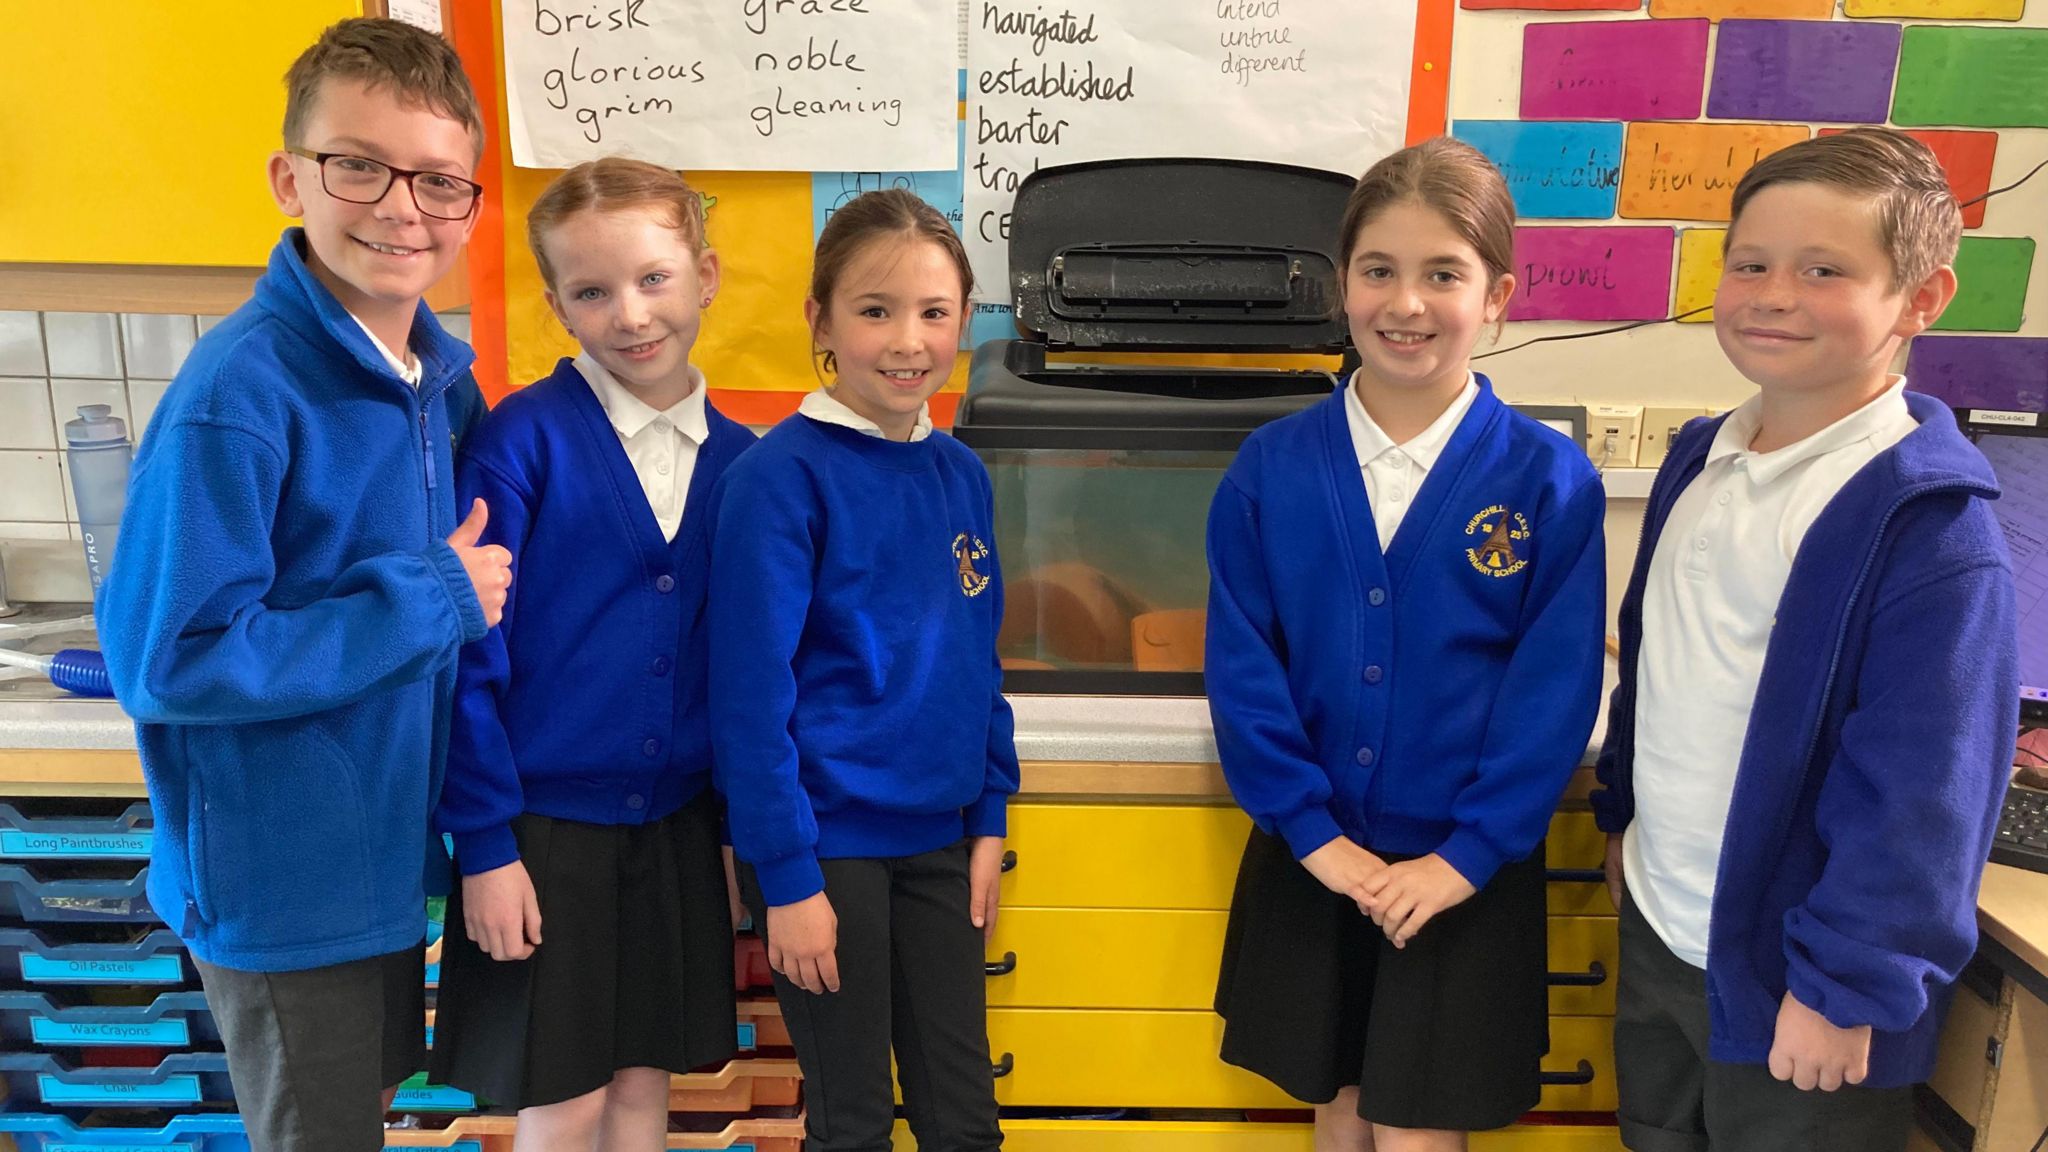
pixel 70 494
pixel 156 345
pixel 143 397
pixel 25 414
pixel 27 530
pixel 206 323
pixel 21 345
pixel 51 571
pixel 457 324
pixel 84 344
pixel 31 487
pixel 67 395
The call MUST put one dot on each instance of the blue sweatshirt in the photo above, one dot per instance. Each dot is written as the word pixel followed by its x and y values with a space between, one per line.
pixel 1876 756
pixel 282 622
pixel 588 701
pixel 856 701
pixel 1434 698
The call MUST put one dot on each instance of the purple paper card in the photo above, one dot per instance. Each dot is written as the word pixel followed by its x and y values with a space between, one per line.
pixel 1613 69
pixel 2008 373
pixel 1594 273
pixel 1804 70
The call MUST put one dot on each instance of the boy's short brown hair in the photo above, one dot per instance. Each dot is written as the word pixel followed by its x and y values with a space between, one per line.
pixel 417 65
pixel 1919 223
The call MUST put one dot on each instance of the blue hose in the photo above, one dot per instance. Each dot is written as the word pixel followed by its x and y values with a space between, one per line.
pixel 81 672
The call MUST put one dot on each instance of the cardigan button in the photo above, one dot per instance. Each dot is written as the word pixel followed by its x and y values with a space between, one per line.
pixel 1365 757
pixel 636 802
pixel 652 747
pixel 1374 673
pixel 661 665
pixel 1376 597
pixel 664 583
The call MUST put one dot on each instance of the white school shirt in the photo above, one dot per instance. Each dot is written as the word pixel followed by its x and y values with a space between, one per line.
pixel 1709 603
pixel 826 408
pixel 408 369
pixel 662 445
pixel 1393 471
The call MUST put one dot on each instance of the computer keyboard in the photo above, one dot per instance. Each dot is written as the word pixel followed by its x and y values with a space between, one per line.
pixel 2022 839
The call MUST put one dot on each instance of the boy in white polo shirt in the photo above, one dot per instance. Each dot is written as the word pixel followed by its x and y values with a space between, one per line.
pixel 1808 747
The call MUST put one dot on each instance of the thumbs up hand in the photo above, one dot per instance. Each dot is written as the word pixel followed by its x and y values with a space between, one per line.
pixel 489 567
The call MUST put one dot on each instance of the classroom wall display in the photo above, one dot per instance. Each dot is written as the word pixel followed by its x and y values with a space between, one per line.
pixel 1698 91
pixel 1240 65
pixel 748 85
pixel 1318 84
pixel 1635 117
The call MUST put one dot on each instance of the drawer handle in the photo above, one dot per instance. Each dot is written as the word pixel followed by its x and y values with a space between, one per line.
pixel 1003 1067
pixel 1594 976
pixel 1003 967
pixel 1576 875
pixel 1009 861
pixel 1583 1075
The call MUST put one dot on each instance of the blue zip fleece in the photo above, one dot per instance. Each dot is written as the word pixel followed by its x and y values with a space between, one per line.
pixel 1876 756
pixel 1434 698
pixel 589 701
pixel 282 621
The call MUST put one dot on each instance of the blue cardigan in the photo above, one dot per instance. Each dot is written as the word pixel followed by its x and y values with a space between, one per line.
pixel 588 701
pixel 1432 699
pixel 282 622
pixel 1876 756
pixel 856 700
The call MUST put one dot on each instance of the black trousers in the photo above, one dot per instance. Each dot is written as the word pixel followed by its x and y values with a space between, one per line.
pixel 1675 1099
pixel 310 1051
pixel 911 980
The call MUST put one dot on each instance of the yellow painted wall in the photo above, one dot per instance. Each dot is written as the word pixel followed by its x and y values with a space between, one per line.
pixel 136 131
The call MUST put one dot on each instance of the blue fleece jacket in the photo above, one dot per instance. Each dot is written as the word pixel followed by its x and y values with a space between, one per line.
pixel 282 623
pixel 856 701
pixel 1876 756
pixel 588 700
pixel 1434 698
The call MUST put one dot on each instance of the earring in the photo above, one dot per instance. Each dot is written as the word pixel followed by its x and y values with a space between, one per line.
pixel 707 302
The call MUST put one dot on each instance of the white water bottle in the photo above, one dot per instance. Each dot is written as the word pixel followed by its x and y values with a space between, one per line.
pixel 97 448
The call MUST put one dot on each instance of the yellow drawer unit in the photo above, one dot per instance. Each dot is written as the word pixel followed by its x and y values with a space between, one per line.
pixel 1165 959
pixel 1185 856
pixel 1585 959
pixel 1103 1059
pixel 1575 853
pixel 1171 1136
pixel 1124 855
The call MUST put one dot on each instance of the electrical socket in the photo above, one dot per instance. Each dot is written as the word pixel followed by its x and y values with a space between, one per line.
pixel 1660 427
pixel 1613 432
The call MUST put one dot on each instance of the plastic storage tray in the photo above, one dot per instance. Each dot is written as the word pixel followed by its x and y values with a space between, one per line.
pixel 28 957
pixel 123 837
pixel 196 1133
pixel 172 1020
pixel 29 895
pixel 185 1078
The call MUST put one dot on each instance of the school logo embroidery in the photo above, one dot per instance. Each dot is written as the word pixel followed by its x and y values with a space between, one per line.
pixel 1495 554
pixel 967 548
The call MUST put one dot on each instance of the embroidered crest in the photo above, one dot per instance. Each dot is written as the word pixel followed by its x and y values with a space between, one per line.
pixel 968 548
pixel 1502 530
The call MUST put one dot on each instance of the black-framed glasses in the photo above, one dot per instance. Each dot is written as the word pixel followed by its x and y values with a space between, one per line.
pixel 361 180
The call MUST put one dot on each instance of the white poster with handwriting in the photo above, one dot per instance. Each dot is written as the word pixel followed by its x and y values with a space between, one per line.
pixel 761 85
pixel 1307 82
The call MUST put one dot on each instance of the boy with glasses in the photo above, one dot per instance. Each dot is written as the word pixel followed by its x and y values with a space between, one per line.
pixel 292 589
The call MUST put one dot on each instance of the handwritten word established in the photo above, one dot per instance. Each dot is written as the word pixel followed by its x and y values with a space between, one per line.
pixel 1056 81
